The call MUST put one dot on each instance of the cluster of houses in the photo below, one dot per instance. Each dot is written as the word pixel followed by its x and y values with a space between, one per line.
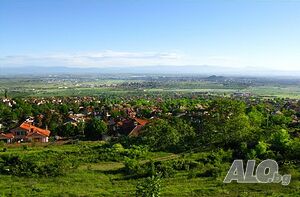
pixel 8 102
pixel 125 123
pixel 28 132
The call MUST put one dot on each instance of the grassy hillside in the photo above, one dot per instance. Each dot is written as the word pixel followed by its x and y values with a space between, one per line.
pixel 101 171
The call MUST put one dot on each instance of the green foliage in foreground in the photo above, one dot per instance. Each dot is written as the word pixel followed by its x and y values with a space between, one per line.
pixel 18 166
pixel 150 187
pixel 120 171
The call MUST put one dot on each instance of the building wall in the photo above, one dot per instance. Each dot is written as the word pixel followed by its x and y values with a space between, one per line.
pixel 38 139
pixel 19 133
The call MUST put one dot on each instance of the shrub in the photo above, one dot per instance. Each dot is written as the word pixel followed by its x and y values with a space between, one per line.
pixel 118 148
pixel 185 164
pixel 17 166
pixel 2 144
pixel 136 151
pixel 212 171
pixel 164 168
pixel 132 166
pixel 294 150
pixel 115 152
pixel 150 187
pixel 25 147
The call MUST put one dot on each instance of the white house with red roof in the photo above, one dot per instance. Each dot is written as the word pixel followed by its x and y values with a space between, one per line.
pixel 26 132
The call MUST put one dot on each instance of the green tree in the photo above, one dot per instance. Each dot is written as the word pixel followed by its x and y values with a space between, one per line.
pixel 64 109
pixel 280 141
pixel 256 118
pixel 68 130
pixel 186 133
pixel 281 119
pixel 160 135
pixel 95 128
pixel 225 123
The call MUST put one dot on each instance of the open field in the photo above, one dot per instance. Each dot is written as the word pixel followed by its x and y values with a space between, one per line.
pixel 97 85
pixel 105 178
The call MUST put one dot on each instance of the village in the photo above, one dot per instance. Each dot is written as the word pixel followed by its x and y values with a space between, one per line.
pixel 122 116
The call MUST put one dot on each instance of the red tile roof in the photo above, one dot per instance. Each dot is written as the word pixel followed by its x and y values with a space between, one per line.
pixel 142 122
pixel 136 131
pixel 7 135
pixel 120 123
pixel 33 129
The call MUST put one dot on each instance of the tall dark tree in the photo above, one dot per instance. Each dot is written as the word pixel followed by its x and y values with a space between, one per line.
pixel 95 128
pixel 5 93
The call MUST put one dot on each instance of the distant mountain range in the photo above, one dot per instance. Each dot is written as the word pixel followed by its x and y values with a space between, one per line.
pixel 202 70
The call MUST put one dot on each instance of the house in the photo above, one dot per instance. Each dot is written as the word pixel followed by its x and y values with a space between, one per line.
pixel 139 121
pixel 241 94
pixel 8 102
pixel 26 132
pixel 77 118
pixel 7 138
pixel 136 131
pixel 125 126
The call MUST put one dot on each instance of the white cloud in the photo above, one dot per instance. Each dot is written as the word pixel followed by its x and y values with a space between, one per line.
pixel 111 58
pixel 94 59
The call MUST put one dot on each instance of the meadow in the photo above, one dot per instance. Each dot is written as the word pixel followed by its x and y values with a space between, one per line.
pixel 105 177
pixel 45 86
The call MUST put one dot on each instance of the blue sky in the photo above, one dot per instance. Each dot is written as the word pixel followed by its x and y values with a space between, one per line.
pixel 102 33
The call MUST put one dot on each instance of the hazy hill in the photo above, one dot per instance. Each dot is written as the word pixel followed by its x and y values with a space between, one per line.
pixel 204 70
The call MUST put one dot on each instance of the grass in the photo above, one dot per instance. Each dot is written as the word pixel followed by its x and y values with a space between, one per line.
pixel 45 87
pixel 94 180
pixel 288 91
pixel 263 91
pixel 107 179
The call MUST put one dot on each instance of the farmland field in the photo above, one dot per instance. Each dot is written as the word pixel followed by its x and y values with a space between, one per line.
pixel 96 85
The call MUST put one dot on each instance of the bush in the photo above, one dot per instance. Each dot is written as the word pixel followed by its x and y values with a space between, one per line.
pixel 2 144
pixel 25 147
pixel 213 157
pixel 115 152
pixel 17 166
pixel 118 148
pixel 185 164
pixel 132 166
pixel 136 151
pixel 164 168
pixel 211 171
pixel 150 187
pixel 294 150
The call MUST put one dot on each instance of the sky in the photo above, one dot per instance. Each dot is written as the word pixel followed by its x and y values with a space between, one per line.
pixel 115 33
